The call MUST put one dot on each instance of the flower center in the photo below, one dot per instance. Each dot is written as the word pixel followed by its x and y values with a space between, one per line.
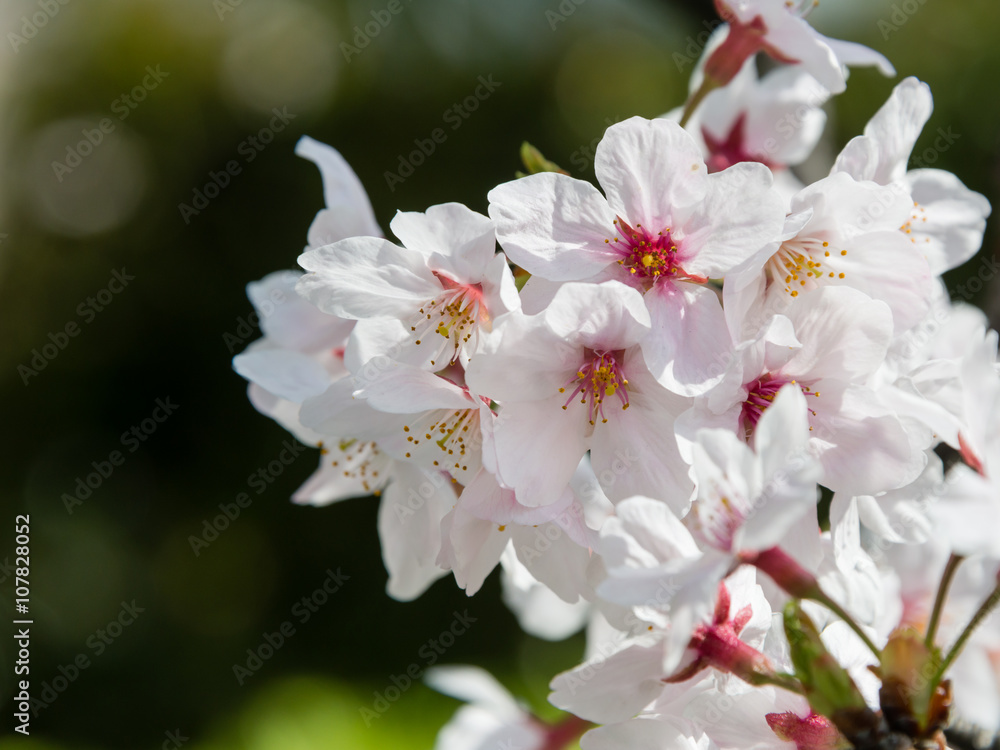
pixel 361 461
pixel 600 378
pixel 760 395
pixel 451 320
pixel 448 438
pixel 646 255
pixel 798 264
pixel 719 514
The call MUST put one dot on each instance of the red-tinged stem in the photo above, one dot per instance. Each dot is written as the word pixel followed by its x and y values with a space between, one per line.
pixel 942 593
pixel 742 42
pixel 784 571
pixel 802 584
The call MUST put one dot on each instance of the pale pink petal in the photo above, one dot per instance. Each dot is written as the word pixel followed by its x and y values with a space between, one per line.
pixel 539 445
pixel 524 361
pixel 287 374
pixel 737 225
pixel 409 527
pixel 291 321
pixel 602 317
pixel 648 169
pixel 349 210
pixel 366 277
pixel 895 129
pixel 845 334
pixel 611 688
pixel 401 389
pixel 451 237
pixel 689 346
pixel 636 453
pixel 473 548
pixel 553 226
pixel 948 219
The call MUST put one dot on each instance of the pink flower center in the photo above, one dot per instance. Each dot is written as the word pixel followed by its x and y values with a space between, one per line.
pixel 597 379
pixel 760 395
pixel 451 320
pixel 649 256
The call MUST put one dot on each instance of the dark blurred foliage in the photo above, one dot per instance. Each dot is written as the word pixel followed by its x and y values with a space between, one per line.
pixel 165 335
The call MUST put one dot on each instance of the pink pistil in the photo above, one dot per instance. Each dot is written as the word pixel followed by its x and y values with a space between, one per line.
pixel 599 378
pixel 649 256
pixel 760 395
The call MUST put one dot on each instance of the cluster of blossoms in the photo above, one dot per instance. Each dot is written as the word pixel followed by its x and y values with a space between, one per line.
pixel 729 423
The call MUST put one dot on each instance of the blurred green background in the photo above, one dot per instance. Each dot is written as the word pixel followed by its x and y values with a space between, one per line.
pixel 565 71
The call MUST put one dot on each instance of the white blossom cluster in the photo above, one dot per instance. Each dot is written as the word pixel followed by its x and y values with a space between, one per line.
pixel 639 404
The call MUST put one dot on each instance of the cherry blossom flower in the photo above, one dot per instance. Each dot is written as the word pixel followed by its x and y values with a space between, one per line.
pixel 640 672
pixel 426 303
pixel 840 232
pixel 572 378
pixel 829 344
pixel 775 120
pixel 665 228
pixel 649 421
pixel 301 352
pixel 747 501
pixel 414 415
pixel 946 220
pixel 779 28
